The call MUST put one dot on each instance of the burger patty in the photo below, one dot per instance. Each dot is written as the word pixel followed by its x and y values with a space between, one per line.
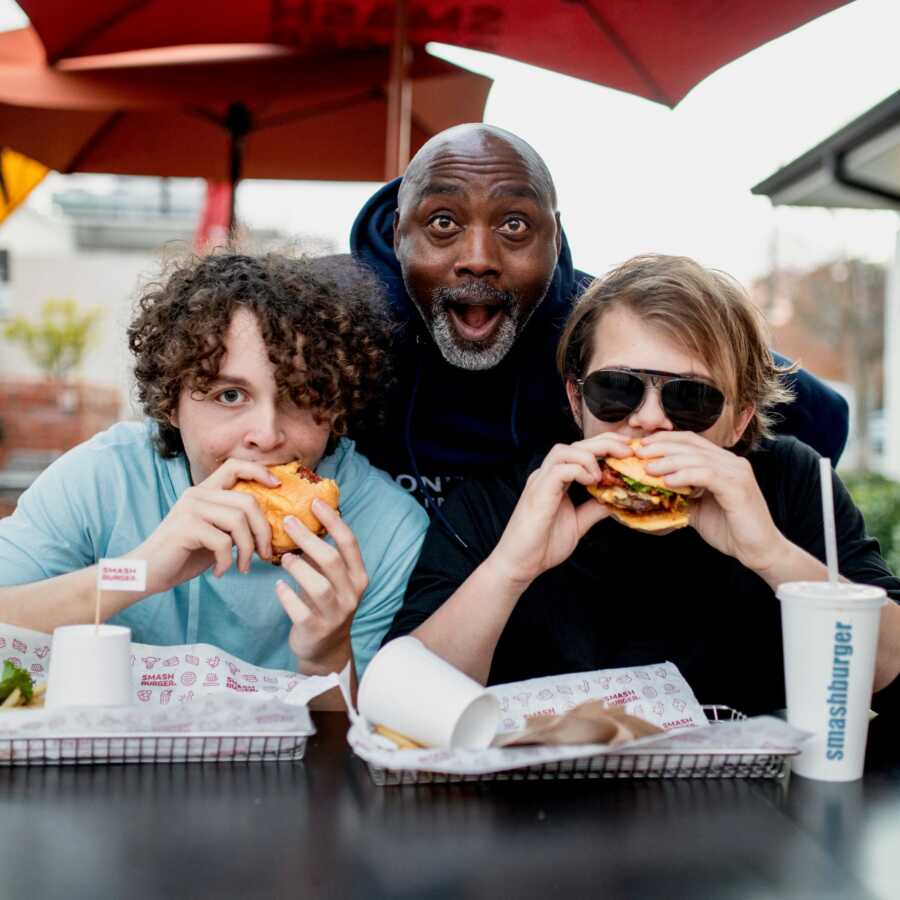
pixel 625 499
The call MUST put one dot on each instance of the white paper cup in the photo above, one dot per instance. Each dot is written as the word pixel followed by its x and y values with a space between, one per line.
pixel 90 666
pixel 411 690
pixel 830 636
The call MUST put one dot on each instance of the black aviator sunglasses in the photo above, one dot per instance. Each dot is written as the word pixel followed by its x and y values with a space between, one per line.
pixel 690 404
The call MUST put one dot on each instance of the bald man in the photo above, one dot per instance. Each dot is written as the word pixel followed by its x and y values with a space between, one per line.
pixel 470 248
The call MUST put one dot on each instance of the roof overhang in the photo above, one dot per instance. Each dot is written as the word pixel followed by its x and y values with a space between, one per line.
pixel 857 167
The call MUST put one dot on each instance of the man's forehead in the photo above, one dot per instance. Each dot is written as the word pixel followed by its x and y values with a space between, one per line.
pixel 476 162
pixel 456 182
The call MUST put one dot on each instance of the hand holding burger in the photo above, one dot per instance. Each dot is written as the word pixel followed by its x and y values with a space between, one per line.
pixel 546 525
pixel 330 579
pixel 640 500
pixel 294 495
pixel 732 514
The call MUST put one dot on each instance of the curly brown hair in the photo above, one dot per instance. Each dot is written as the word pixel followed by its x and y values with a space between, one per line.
pixel 325 322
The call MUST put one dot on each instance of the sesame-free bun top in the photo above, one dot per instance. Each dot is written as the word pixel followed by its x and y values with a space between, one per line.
pixel 633 467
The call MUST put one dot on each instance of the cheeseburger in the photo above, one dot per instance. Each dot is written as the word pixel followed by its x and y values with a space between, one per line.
pixel 293 497
pixel 638 499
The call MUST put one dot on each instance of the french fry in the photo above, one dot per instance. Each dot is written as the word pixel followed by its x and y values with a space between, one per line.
pixel 39 689
pixel 401 740
pixel 12 700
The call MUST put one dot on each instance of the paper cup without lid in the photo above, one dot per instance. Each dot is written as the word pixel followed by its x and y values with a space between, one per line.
pixel 411 690
pixel 90 666
pixel 830 634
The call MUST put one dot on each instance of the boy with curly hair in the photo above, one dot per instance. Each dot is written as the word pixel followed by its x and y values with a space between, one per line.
pixel 241 362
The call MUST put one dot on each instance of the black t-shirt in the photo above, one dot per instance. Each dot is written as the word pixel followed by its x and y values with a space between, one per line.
pixel 626 598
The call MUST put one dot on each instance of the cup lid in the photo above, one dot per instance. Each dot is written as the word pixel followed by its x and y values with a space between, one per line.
pixel 835 595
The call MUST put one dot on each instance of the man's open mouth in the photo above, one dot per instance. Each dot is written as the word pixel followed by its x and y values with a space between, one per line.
pixel 475 322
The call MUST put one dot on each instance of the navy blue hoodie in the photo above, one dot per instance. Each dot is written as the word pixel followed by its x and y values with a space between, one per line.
pixel 445 423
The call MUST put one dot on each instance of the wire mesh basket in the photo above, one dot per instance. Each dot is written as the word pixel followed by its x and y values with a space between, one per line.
pixel 637 763
pixel 151 748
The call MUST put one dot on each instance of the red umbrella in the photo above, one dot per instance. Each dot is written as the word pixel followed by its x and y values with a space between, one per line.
pixel 658 49
pixel 273 115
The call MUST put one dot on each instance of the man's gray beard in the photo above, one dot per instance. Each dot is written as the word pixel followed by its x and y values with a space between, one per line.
pixel 473 355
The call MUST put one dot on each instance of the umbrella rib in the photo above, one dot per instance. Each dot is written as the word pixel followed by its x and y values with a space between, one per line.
pixel 320 109
pixel 642 72
pixel 294 116
pixel 75 163
pixel 104 25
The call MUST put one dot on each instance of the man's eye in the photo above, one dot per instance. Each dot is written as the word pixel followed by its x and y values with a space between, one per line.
pixel 442 224
pixel 514 225
pixel 230 397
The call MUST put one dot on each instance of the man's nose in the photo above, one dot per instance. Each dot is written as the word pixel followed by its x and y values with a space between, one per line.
pixel 478 254
pixel 265 430
pixel 650 416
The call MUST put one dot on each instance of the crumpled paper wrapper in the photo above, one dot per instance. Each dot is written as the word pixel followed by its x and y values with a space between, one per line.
pixel 190 690
pixel 591 723
pixel 671 722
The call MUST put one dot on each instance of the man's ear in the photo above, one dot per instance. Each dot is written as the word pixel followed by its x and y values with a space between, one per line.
pixel 558 234
pixel 396 229
pixel 574 396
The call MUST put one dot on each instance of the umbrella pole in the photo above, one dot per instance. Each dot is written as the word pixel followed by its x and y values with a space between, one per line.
pixel 233 178
pixel 399 114
pixel 238 123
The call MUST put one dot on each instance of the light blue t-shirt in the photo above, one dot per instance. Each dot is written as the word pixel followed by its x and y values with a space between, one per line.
pixel 106 496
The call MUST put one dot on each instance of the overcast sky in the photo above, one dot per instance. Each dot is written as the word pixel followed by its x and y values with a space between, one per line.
pixel 633 176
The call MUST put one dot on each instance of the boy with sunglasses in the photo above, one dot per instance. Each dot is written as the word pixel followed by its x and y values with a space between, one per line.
pixel 666 352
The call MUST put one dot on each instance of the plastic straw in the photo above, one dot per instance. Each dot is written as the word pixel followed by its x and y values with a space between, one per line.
pixel 831 556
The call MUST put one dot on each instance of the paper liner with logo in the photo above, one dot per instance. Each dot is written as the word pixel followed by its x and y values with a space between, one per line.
pixel 188 688
pixel 638 691
pixel 414 692
pixel 830 634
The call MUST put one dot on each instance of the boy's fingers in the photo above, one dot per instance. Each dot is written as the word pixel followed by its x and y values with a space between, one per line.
pixel 343 536
pixel 298 612
pixel 256 518
pixel 232 522
pixel 218 543
pixel 328 559
pixel 233 470
pixel 317 590
pixel 589 514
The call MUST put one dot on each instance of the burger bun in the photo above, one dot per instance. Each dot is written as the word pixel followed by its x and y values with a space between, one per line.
pixel 293 497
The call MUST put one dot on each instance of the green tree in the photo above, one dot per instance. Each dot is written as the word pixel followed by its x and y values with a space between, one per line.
pixel 879 501
pixel 57 340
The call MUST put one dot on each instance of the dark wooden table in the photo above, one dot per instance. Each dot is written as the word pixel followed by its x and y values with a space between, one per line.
pixel 322 829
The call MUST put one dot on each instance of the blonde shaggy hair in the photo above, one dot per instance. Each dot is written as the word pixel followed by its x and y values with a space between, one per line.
pixel 706 313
